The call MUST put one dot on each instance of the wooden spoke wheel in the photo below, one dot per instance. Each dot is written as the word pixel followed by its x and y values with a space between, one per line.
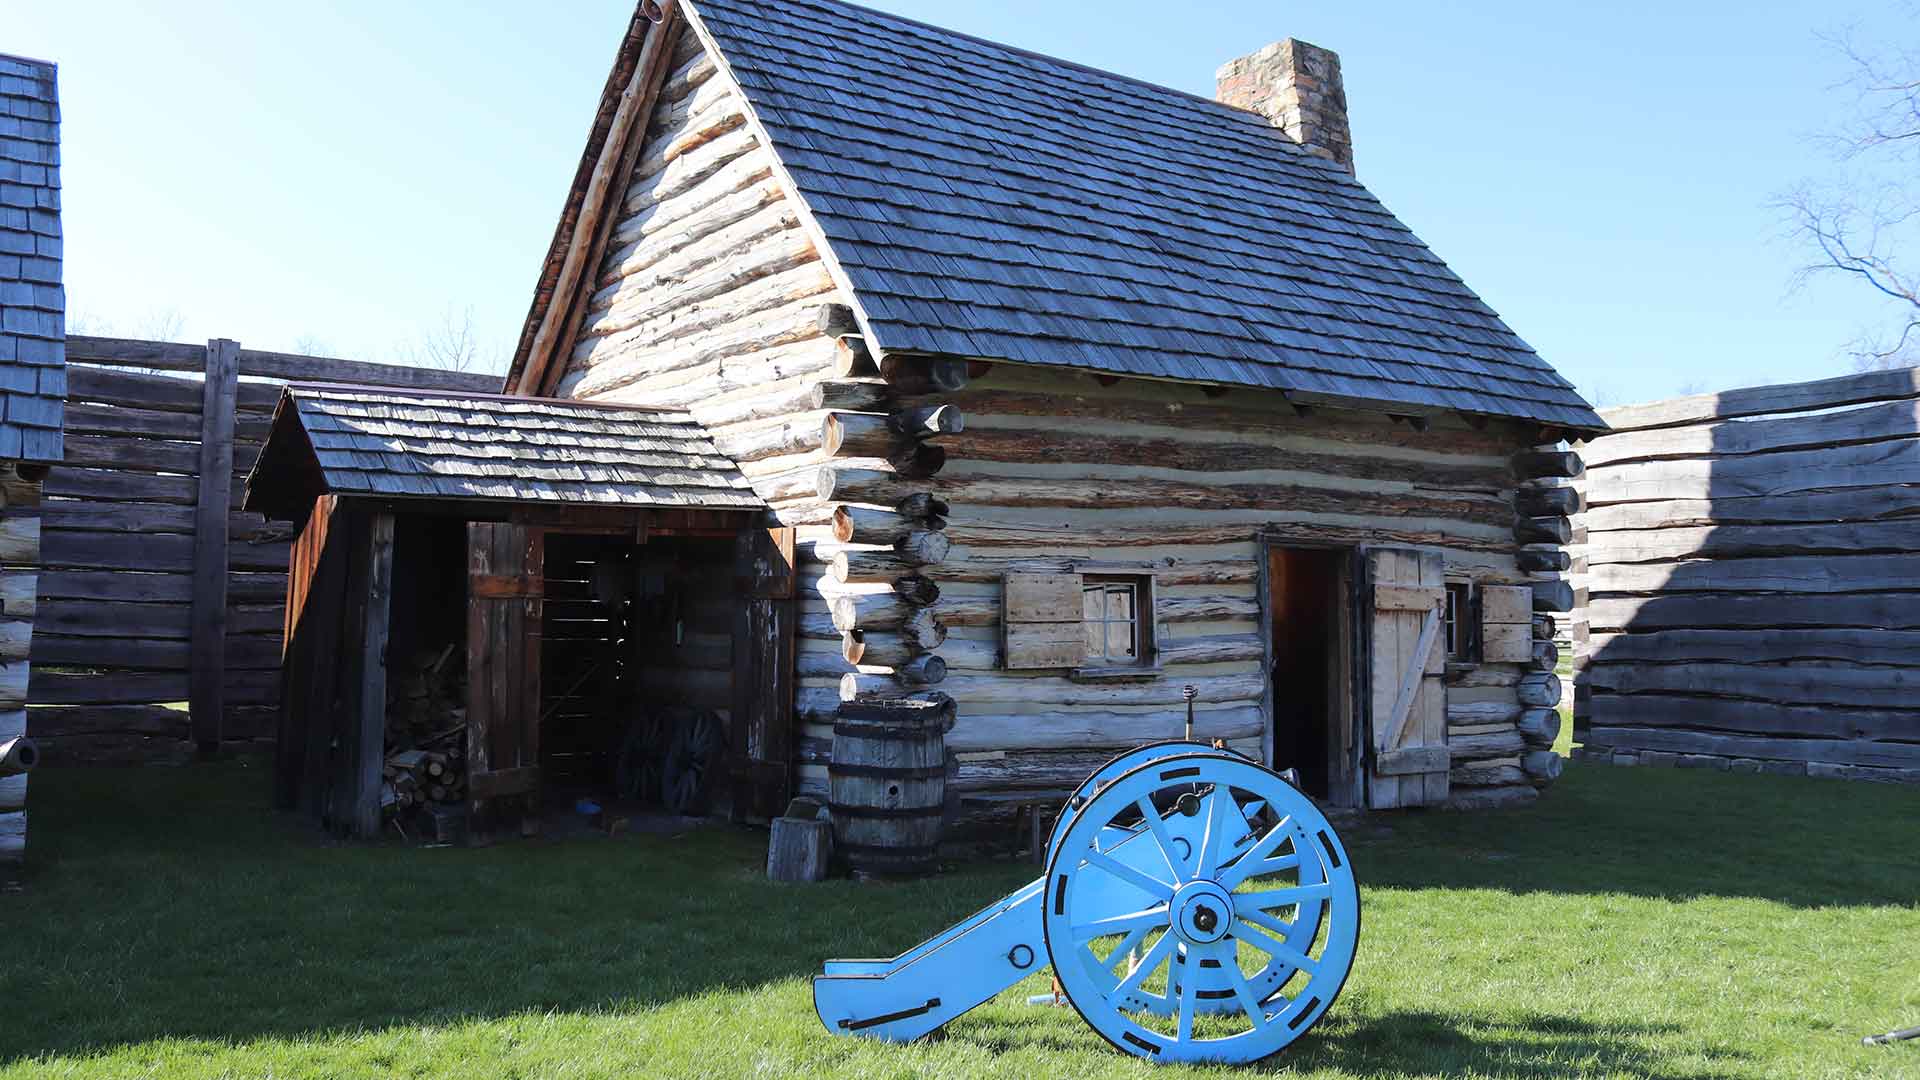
pixel 642 756
pixel 1200 908
pixel 693 760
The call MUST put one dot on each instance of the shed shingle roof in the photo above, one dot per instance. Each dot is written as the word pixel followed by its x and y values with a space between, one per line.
pixel 399 444
pixel 989 202
pixel 33 375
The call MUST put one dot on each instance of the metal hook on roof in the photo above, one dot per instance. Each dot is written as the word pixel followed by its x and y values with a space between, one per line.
pixel 653 12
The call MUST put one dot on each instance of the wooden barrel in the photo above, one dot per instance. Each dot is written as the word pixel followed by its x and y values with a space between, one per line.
pixel 887 783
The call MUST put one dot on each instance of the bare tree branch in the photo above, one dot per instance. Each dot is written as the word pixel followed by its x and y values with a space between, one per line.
pixel 454 345
pixel 1862 220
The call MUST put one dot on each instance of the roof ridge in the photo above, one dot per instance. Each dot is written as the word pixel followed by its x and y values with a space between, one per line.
pixel 949 32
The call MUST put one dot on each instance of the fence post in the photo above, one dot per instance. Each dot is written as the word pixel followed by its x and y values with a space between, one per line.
pixel 206 687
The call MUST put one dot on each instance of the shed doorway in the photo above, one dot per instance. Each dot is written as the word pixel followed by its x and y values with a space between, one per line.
pixel 1310 623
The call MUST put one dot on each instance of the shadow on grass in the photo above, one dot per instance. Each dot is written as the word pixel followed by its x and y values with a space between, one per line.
pixel 1672 834
pixel 171 903
pixel 1533 1045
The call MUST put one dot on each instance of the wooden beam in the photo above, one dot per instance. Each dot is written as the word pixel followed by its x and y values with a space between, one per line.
pixel 1761 400
pixel 605 188
pixel 369 600
pixel 1537 463
pixel 206 700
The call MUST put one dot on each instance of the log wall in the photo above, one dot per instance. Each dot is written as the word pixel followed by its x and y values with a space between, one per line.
pixel 1059 471
pixel 150 575
pixel 1755 587
pixel 20 528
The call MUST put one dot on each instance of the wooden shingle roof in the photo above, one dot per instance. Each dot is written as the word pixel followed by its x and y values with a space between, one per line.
pixel 420 444
pixel 987 202
pixel 33 377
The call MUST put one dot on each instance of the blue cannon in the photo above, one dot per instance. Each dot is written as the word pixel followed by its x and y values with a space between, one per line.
pixel 1195 907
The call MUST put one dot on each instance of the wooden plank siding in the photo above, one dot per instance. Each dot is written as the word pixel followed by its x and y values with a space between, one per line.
pixel 1753 592
pixel 121 524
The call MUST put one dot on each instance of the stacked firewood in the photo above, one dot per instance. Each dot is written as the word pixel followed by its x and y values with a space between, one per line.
pixel 426 733
pixel 427 697
pixel 418 777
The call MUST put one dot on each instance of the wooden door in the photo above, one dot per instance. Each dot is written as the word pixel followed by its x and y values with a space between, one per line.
pixel 760 738
pixel 1406 659
pixel 505 590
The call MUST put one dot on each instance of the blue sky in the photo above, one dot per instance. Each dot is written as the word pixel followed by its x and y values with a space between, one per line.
pixel 342 177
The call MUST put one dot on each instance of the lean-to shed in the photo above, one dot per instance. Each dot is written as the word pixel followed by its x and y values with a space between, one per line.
pixel 1077 391
pixel 562 570
pixel 33 390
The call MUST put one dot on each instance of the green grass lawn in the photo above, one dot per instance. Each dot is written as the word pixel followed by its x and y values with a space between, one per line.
pixel 1671 923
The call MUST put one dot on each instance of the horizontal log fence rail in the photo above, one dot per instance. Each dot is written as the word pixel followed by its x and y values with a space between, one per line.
pixel 160 602
pixel 1753 569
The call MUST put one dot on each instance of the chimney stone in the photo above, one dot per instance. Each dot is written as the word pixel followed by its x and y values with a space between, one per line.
pixel 1297 87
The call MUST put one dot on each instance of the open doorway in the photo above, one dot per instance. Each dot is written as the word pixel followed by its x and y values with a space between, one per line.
pixel 1310 623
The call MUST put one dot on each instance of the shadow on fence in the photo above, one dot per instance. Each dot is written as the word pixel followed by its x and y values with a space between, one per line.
pixel 1755 591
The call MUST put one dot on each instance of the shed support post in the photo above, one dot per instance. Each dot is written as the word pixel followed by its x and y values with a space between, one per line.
pixel 206 696
pixel 369 593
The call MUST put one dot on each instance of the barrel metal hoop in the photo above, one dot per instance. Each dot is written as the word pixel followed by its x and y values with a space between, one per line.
pixel 887 772
pixel 860 729
pixel 915 851
pixel 877 812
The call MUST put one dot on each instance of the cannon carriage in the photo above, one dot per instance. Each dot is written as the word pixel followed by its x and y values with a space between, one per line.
pixel 1195 907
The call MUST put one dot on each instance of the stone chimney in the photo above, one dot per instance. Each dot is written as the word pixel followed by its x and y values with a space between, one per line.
pixel 1297 87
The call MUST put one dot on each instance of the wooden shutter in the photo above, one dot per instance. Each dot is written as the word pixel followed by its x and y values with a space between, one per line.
pixel 1506 624
pixel 1041 621
pixel 760 737
pixel 1406 660
pixel 505 599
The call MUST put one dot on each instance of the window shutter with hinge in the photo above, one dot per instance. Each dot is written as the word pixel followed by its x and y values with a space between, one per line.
pixel 1041 621
pixel 1506 624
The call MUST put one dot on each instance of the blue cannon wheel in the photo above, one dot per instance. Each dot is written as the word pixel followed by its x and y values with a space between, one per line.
pixel 1238 914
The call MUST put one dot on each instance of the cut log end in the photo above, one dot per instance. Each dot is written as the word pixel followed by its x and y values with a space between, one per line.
pixel 1533 464
pixel 928 421
pixel 917 590
pixel 18 755
pixel 923 547
pixel 851 357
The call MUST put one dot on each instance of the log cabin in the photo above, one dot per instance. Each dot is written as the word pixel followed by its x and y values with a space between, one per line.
pixel 1078 393
pixel 32 394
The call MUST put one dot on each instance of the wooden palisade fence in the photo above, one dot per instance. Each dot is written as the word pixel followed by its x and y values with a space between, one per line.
pixel 1754 569
pixel 156 589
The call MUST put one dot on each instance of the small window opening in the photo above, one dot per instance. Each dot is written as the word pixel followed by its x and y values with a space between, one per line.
pixel 1112 614
pixel 1463 643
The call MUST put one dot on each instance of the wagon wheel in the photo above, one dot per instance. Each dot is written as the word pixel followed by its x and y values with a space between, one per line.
pixel 692 760
pixel 1233 891
pixel 638 767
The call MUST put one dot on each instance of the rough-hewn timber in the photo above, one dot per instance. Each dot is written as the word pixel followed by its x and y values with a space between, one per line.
pixel 1754 596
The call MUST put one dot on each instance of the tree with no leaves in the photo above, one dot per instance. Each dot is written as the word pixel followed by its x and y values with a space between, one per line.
pixel 454 345
pixel 1864 221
